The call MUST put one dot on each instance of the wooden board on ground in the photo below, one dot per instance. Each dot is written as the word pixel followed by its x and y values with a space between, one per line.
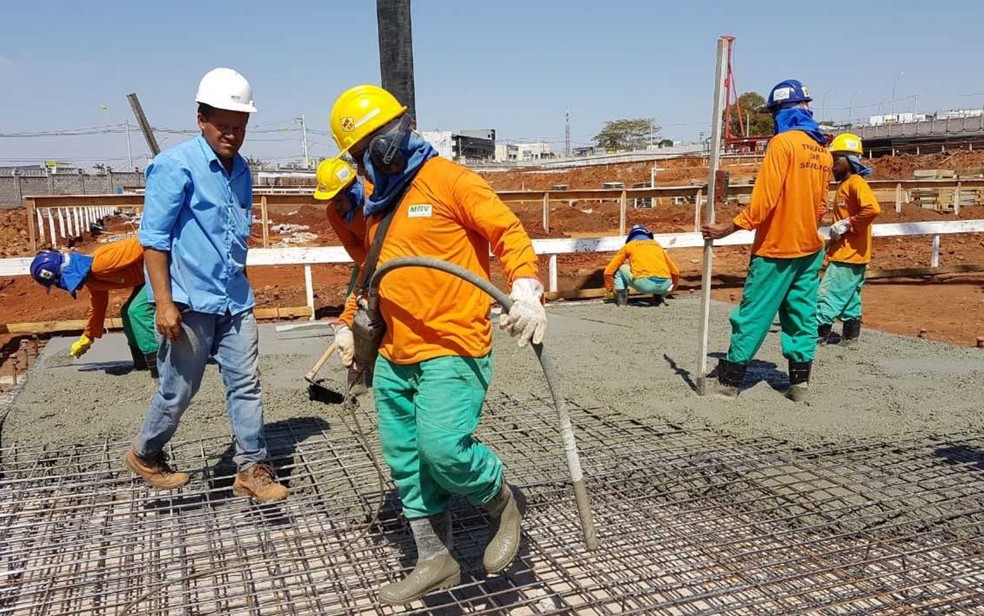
pixel 73 325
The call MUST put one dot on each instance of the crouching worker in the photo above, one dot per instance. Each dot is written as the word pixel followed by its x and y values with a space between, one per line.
pixel 433 365
pixel 643 265
pixel 118 265
pixel 849 251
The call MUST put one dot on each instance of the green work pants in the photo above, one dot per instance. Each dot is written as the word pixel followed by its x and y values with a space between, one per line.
pixel 137 315
pixel 427 414
pixel 840 293
pixel 786 286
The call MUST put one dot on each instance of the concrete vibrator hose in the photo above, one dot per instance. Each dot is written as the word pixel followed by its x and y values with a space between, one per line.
pixel 549 372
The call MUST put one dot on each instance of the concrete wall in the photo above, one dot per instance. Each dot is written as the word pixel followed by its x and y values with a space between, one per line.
pixel 14 188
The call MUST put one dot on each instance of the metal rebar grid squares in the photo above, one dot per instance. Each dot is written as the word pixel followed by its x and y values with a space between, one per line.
pixel 691 521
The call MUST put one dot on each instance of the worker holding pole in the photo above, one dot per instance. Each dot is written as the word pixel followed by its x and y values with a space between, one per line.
pixel 198 211
pixel 433 364
pixel 849 251
pixel 788 200
pixel 117 265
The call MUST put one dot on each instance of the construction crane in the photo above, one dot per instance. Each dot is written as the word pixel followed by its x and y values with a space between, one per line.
pixel 741 142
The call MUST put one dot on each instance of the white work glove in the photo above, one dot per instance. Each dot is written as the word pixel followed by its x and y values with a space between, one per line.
pixel 839 228
pixel 344 343
pixel 527 319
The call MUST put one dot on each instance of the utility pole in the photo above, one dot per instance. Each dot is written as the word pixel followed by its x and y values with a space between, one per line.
pixel 144 124
pixel 304 141
pixel 567 134
pixel 129 152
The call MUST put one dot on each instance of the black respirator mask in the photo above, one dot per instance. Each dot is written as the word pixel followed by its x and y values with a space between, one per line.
pixel 384 149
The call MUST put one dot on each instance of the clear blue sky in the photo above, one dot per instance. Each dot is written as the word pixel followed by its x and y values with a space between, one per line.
pixel 512 65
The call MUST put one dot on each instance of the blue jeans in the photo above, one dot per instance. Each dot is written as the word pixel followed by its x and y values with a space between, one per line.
pixel 653 285
pixel 233 341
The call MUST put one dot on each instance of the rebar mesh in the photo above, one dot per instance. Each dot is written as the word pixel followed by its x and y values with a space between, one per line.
pixel 691 521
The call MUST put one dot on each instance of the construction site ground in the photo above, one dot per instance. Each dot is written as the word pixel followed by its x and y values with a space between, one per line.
pixel 867 499
pixel 948 308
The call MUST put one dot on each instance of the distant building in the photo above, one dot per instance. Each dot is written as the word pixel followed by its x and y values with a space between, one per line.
pixel 506 151
pixel 533 151
pixel 897 118
pixel 956 114
pixel 463 145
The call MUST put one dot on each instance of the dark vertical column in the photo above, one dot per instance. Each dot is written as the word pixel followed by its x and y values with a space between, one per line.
pixel 396 50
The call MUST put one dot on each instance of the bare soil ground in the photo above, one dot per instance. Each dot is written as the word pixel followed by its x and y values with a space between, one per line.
pixel 950 309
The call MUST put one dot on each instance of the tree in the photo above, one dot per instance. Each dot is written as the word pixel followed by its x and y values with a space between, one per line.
pixel 634 134
pixel 102 168
pixel 757 122
pixel 665 143
pixel 255 164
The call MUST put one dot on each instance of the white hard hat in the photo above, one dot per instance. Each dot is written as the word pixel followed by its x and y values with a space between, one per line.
pixel 225 88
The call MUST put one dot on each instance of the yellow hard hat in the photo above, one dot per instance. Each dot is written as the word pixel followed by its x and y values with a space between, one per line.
pixel 361 111
pixel 846 142
pixel 334 175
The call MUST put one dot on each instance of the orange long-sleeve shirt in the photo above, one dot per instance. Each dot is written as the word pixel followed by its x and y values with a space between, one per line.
pixel 449 213
pixel 352 236
pixel 789 197
pixel 646 259
pixel 856 202
pixel 118 265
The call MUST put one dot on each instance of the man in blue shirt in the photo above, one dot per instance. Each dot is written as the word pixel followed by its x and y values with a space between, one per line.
pixel 198 210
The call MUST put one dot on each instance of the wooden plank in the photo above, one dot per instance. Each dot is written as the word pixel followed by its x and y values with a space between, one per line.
pixel 51 327
pixel 288 312
pixel 31 231
pixel 918 272
pixel 265 221
pixel 74 325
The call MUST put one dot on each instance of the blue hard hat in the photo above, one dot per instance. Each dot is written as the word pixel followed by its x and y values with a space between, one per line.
pixel 788 91
pixel 638 232
pixel 46 268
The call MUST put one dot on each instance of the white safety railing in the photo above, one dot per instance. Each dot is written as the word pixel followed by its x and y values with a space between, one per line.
pixel 20 266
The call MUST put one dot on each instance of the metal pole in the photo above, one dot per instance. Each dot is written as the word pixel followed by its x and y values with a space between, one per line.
pixel 715 159
pixel 304 142
pixel 129 152
pixel 148 133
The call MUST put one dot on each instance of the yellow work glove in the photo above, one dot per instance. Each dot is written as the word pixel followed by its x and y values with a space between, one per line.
pixel 80 346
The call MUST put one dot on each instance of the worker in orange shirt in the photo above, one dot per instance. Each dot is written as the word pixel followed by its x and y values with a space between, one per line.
pixel 788 200
pixel 849 252
pixel 117 265
pixel 648 269
pixel 345 193
pixel 434 363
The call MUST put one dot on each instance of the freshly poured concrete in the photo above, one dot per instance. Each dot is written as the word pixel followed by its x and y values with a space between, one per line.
pixel 638 360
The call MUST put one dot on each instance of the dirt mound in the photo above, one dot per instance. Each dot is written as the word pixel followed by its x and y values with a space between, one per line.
pixel 14 238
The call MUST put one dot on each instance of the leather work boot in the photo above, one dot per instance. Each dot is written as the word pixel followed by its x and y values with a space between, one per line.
pixel 139 360
pixel 851 331
pixel 259 482
pixel 155 470
pixel 823 333
pixel 799 380
pixel 622 297
pixel 730 378
pixel 505 529
pixel 150 360
pixel 436 568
